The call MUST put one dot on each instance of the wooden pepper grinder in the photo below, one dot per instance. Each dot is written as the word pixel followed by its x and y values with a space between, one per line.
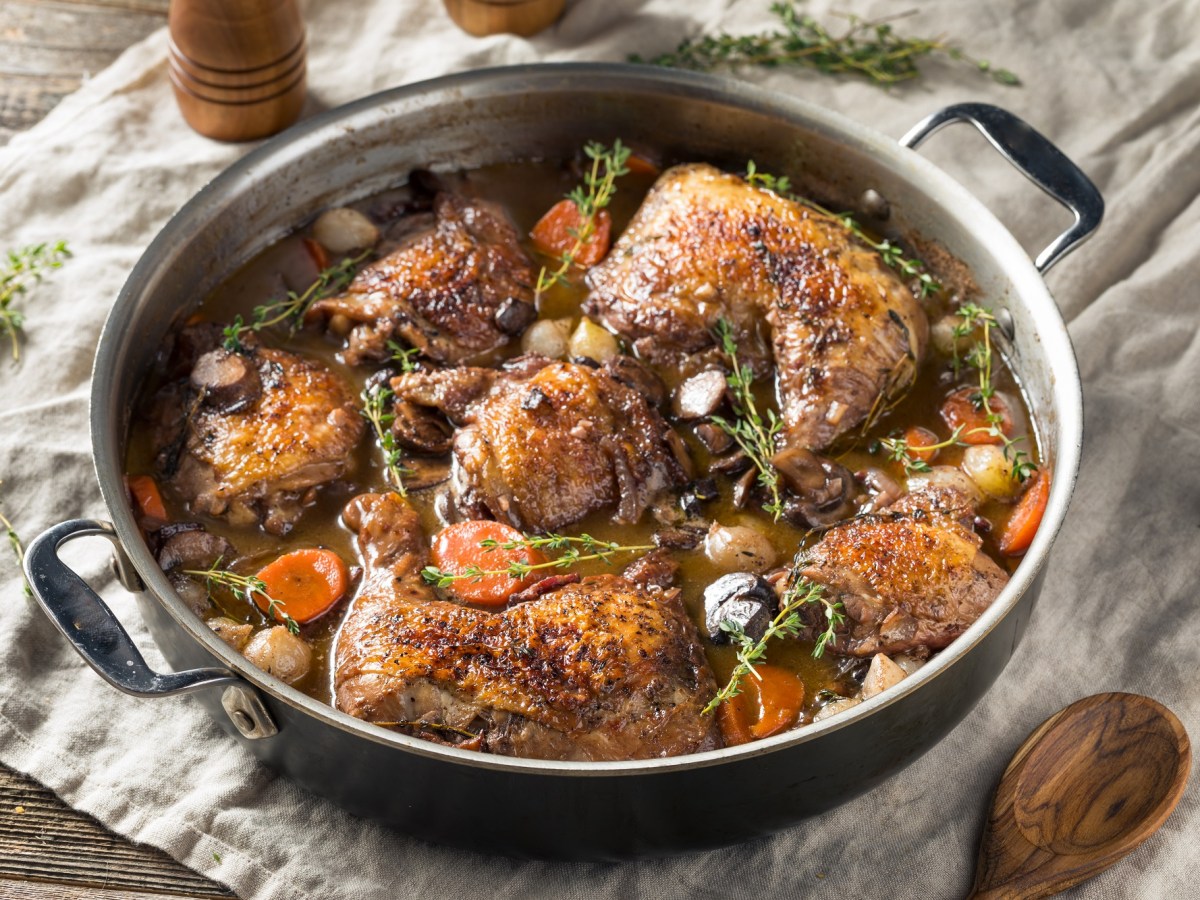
pixel 523 17
pixel 237 66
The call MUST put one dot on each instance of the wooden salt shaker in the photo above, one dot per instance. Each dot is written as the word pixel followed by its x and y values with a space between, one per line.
pixel 237 66
pixel 522 17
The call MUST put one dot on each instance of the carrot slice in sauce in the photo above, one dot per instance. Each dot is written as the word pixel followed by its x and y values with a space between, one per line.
pixel 917 439
pixel 147 497
pixel 767 705
pixel 459 547
pixel 641 165
pixel 961 410
pixel 307 583
pixel 1026 517
pixel 556 233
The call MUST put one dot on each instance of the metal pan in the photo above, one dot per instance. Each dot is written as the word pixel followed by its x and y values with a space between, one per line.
pixel 561 809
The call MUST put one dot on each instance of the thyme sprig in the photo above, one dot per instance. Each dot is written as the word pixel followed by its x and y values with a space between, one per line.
pixel 244 587
pixel 404 357
pixel 596 192
pixel 748 430
pixel 18 548
pixel 893 254
pixel 870 48
pixel 292 308
pixel 574 549
pixel 20 271
pixel 751 653
pixel 979 357
pixel 375 399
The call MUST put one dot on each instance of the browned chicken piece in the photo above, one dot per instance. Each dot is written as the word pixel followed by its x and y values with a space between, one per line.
pixel 542 443
pixel 456 285
pixel 596 670
pixel 251 436
pixel 841 329
pixel 911 576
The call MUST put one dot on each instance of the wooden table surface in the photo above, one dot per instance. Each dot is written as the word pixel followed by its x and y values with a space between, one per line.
pixel 47 850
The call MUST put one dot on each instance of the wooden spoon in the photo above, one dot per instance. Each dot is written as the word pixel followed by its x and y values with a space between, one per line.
pixel 1089 785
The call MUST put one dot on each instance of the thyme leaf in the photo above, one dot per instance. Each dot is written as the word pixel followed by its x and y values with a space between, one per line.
pixel 869 48
pixel 748 430
pixel 574 549
pixel 403 356
pixel 293 307
pixel 375 399
pixel 596 192
pixel 752 653
pixel 244 587
pixel 19 271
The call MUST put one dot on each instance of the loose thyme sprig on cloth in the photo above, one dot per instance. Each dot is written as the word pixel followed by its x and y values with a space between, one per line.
pixel 752 434
pixel 868 48
pixel 596 192
pixel 893 254
pixel 375 399
pixel 575 549
pixel 751 653
pixel 244 587
pixel 293 307
pixel 18 548
pixel 20 271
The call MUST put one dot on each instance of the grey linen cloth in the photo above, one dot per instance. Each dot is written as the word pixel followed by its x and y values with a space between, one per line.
pixel 1115 84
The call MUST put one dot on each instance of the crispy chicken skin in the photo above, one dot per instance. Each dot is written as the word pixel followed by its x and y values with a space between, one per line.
pixel 457 285
pixel 840 328
pixel 542 443
pixel 910 577
pixel 258 455
pixel 598 670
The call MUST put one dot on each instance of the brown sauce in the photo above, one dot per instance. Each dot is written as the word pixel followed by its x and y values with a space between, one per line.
pixel 526 190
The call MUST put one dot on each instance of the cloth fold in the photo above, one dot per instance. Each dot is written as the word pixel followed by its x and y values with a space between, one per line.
pixel 1115 85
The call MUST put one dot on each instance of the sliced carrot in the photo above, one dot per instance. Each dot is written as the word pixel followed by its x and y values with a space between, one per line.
pixel 459 547
pixel 557 232
pixel 767 705
pixel 306 583
pixel 641 165
pixel 780 696
pixel 917 439
pixel 1026 517
pixel 147 497
pixel 316 250
pixel 961 410
pixel 734 721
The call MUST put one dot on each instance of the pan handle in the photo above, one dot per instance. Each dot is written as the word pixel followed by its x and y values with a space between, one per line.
pixel 1037 159
pixel 87 622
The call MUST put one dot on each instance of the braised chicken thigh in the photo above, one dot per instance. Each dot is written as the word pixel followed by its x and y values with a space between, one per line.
pixel 597 670
pixel 542 443
pixel 456 284
pixel 911 576
pixel 840 328
pixel 249 436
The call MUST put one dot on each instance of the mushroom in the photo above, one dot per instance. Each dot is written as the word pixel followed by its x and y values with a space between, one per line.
pixel 421 428
pixel 635 374
pixel 882 674
pixel 190 546
pixel 228 381
pixel 714 438
pixel 700 395
pixel 884 491
pixel 514 316
pixel 743 599
pixel 822 489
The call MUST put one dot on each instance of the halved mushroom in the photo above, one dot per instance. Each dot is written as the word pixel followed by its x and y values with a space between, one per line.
pixel 699 396
pixel 189 546
pixel 743 599
pixel 228 381
pixel 421 428
pixel 822 488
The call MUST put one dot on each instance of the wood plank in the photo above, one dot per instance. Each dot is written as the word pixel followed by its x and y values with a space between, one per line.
pixel 37 890
pixel 48 46
pixel 49 841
